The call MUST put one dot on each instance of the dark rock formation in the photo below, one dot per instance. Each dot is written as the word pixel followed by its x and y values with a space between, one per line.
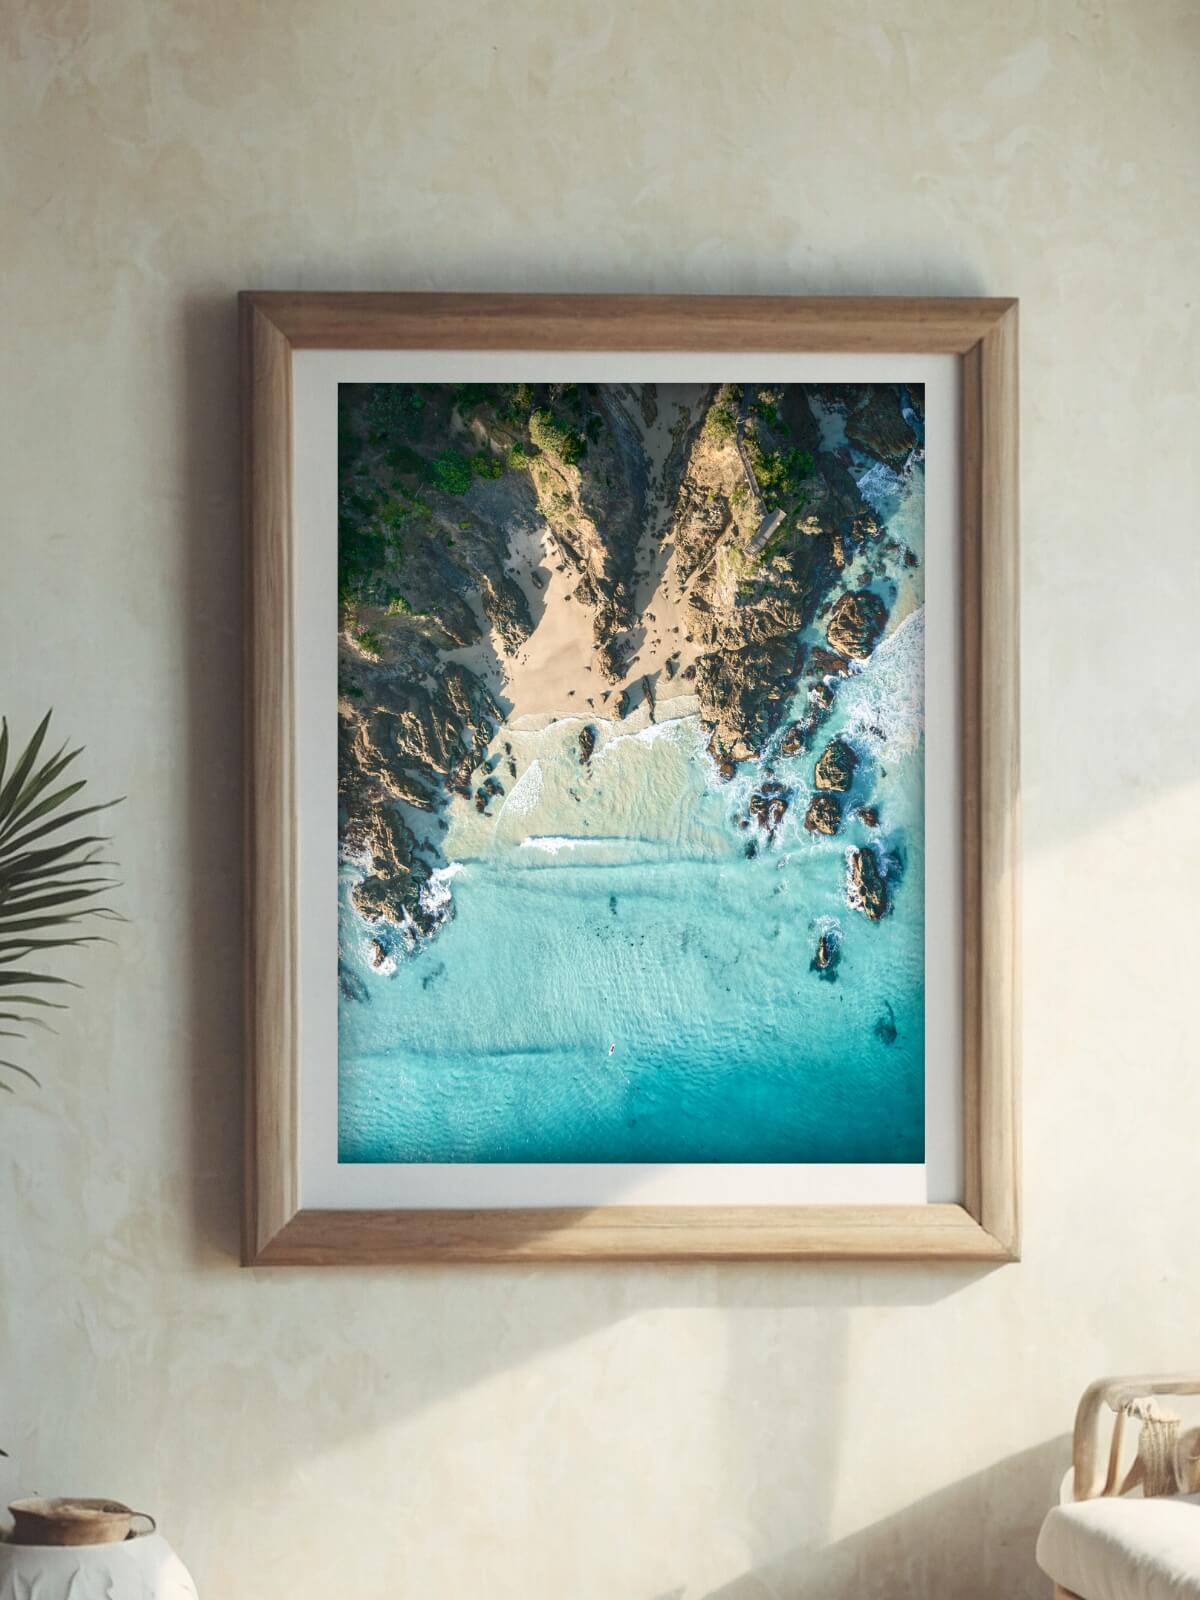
pixel 824 814
pixel 835 767
pixel 868 815
pixel 868 886
pixel 856 623
pixel 879 428
pixel 587 744
pixel 793 742
pixel 768 806
pixel 827 956
pixel 827 664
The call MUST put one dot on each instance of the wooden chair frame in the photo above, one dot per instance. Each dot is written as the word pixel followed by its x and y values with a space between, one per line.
pixel 1096 1472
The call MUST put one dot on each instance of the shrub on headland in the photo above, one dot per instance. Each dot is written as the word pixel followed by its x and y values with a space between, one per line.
pixel 720 425
pixel 556 437
pixel 451 472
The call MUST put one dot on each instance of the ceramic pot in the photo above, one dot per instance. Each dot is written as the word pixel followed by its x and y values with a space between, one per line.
pixel 141 1568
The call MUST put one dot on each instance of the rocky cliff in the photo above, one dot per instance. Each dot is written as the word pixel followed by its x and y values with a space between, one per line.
pixel 756 520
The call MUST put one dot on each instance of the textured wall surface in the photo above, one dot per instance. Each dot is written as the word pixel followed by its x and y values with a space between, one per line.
pixel 602 1434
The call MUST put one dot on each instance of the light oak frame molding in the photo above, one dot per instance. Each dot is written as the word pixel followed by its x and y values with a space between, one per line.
pixel 983 334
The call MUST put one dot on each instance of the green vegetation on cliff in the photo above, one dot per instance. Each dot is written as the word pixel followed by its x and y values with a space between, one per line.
pixel 450 472
pixel 720 423
pixel 556 437
pixel 780 473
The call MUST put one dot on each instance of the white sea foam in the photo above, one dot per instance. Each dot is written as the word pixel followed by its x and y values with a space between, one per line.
pixel 885 701
pixel 435 896
pixel 651 734
pixel 384 967
pixel 526 793
pixel 552 843
pixel 599 849
pixel 880 485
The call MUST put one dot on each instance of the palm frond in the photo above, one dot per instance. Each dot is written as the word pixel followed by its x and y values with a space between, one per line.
pixel 49 882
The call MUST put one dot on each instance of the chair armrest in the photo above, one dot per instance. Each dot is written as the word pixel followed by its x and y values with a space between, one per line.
pixel 1088 1481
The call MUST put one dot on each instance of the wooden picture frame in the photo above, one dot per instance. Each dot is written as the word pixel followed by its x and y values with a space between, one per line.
pixel 982 334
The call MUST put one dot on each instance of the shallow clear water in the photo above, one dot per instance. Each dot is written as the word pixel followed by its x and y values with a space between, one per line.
pixel 616 907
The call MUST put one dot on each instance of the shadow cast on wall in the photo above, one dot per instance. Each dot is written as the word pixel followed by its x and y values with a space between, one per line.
pixel 974 1538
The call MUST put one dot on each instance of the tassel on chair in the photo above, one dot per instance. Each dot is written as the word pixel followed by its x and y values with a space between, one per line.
pixel 1158 1450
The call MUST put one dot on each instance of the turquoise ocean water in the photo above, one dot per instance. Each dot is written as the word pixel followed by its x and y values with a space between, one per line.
pixel 618 908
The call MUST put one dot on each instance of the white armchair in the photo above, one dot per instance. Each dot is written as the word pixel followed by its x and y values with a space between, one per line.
pixel 1128 1532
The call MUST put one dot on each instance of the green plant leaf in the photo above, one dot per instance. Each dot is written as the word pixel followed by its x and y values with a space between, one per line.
pixel 44 775
pixel 51 879
pixel 23 946
pixel 25 814
pixel 8 978
pixel 87 886
pixel 31 864
pixel 64 897
pixel 23 767
pixel 40 924
pixel 21 839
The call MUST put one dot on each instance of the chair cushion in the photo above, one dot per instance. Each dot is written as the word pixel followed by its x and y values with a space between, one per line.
pixel 1124 1549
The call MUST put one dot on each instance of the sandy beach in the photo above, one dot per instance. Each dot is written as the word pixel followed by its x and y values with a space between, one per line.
pixel 556 671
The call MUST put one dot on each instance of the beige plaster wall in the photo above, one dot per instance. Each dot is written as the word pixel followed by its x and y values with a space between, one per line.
pixel 600 1434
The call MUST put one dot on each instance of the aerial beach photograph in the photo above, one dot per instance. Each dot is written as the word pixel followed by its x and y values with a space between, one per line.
pixel 630 773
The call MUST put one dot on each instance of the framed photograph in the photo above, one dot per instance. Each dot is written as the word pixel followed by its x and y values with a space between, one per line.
pixel 632 777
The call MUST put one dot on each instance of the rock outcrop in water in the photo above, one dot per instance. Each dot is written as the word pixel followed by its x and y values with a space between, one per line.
pixel 868 886
pixel 769 805
pixel 835 767
pixel 824 815
pixel 827 956
pixel 856 624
